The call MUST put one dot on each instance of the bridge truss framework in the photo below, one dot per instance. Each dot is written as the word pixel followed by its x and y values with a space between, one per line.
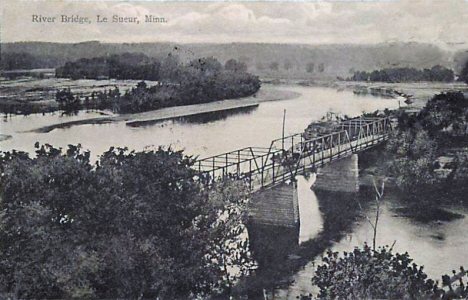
pixel 294 155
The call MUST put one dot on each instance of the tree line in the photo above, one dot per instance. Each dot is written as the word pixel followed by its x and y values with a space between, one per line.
pixel 24 60
pixel 436 73
pixel 139 66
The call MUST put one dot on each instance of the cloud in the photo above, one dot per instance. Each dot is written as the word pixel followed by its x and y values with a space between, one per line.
pixel 438 22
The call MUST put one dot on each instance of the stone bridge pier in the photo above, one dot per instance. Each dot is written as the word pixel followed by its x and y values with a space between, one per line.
pixel 274 212
pixel 339 176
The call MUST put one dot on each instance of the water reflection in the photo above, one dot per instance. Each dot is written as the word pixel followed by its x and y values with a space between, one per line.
pixel 311 222
pixel 202 118
pixel 436 244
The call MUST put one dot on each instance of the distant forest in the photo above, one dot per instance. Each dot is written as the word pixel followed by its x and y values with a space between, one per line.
pixel 26 61
pixel 199 81
pixel 264 60
pixel 436 73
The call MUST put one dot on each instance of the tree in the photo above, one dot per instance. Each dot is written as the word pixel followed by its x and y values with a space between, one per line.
pixel 310 67
pixel 464 73
pixel 321 68
pixel 209 65
pixel 68 102
pixel 273 66
pixel 233 65
pixel 133 225
pixel 287 65
pixel 413 161
pixel 371 274
pixel 446 112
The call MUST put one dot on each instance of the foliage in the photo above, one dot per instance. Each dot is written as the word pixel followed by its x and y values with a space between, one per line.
pixel 68 102
pixel 365 273
pixel 436 73
pixel 371 274
pixel 24 60
pixel 193 90
pixel 420 138
pixel 413 161
pixel 208 66
pixel 200 81
pixel 233 65
pixel 132 225
pixel 445 112
pixel 464 73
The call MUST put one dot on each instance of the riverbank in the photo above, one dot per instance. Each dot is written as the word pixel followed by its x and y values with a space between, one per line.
pixel 418 92
pixel 265 94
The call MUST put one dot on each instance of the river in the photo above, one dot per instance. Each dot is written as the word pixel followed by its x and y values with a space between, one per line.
pixel 437 245
pixel 440 246
pixel 202 137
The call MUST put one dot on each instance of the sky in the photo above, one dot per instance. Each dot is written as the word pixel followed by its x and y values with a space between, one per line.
pixel 358 22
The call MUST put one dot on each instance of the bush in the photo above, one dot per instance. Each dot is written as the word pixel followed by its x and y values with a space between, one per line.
pixel 371 274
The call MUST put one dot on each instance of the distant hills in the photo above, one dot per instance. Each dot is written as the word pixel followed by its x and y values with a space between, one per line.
pixel 265 60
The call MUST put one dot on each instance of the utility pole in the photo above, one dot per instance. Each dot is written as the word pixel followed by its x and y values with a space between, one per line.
pixel 284 122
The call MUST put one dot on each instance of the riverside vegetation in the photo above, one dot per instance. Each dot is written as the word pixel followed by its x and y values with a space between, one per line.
pixel 134 225
pixel 173 83
pixel 436 73
pixel 200 81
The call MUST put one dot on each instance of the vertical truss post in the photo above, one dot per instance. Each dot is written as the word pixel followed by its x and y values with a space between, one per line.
pixel 323 149
pixel 250 172
pixel 339 142
pixel 273 171
pixel 214 167
pixel 314 147
pixel 238 163
pixel 262 171
pixel 227 163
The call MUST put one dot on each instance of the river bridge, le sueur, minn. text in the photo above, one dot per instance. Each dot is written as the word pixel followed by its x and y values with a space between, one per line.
pixel 100 19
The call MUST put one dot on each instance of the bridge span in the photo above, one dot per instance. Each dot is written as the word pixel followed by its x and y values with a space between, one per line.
pixel 295 154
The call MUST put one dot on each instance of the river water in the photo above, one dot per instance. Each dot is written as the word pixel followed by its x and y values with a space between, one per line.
pixel 440 246
pixel 202 137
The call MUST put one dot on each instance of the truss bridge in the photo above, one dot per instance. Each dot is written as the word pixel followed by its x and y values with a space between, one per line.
pixel 295 154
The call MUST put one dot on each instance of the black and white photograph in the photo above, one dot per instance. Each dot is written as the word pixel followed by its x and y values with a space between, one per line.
pixel 243 150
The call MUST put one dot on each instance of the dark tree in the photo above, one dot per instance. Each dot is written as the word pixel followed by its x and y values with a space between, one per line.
pixel 235 66
pixel 135 225
pixel 373 274
pixel 68 102
pixel 274 66
pixel 436 73
pixel 310 67
pixel 464 73
pixel 208 65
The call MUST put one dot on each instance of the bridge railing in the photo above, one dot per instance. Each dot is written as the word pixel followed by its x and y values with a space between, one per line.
pixel 286 157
